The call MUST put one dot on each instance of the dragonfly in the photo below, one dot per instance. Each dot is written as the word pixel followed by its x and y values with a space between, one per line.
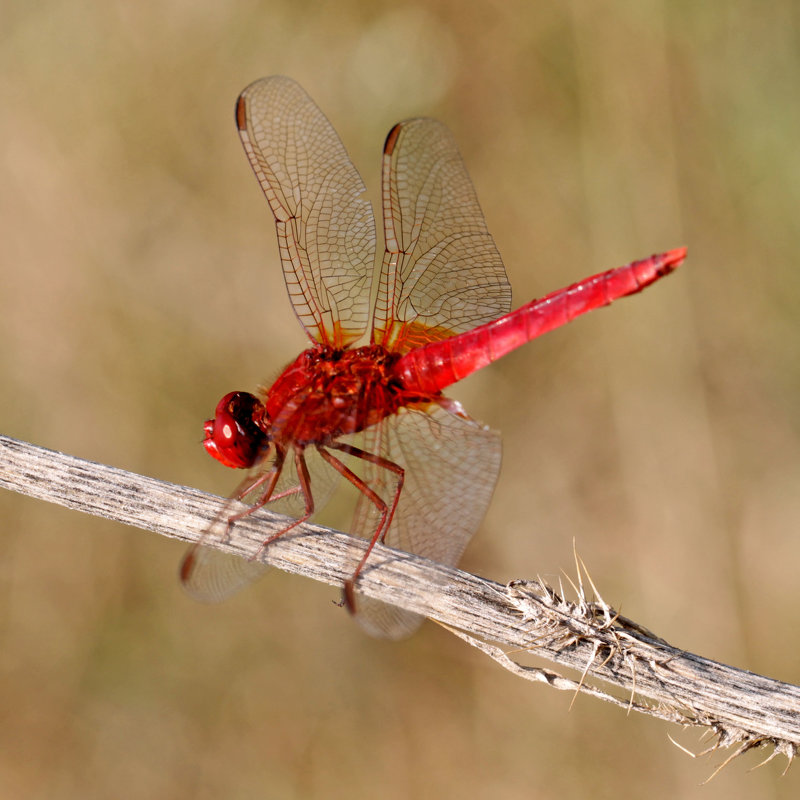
pixel 365 402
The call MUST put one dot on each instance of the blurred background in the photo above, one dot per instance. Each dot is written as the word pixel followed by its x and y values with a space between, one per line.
pixel 139 281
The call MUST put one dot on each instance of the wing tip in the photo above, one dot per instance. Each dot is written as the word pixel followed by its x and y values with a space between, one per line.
pixel 391 139
pixel 241 112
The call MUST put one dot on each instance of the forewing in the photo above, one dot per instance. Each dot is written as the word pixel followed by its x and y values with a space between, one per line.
pixel 441 271
pixel 326 228
pixel 451 466
pixel 208 574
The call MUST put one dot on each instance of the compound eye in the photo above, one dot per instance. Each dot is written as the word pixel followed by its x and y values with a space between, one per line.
pixel 237 436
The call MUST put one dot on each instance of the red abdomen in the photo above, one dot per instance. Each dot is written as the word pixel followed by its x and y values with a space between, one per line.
pixel 435 366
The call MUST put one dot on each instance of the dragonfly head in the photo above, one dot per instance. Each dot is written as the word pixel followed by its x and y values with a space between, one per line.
pixel 237 436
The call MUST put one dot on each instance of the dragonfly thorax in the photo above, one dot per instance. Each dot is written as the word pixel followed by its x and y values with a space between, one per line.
pixel 326 393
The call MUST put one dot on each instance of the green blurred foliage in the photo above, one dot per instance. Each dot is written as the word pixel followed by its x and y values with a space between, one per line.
pixel 139 281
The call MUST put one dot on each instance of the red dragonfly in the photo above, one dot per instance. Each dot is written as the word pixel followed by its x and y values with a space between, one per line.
pixel 375 414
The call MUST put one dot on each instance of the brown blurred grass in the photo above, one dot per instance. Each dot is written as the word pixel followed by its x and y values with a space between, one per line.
pixel 139 281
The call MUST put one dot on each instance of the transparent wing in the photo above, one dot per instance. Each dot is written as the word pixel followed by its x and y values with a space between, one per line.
pixel 451 466
pixel 326 228
pixel 210 575
pixel 441 271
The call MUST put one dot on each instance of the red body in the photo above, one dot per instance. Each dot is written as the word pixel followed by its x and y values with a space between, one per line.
pixel 376 414
pixel 325 394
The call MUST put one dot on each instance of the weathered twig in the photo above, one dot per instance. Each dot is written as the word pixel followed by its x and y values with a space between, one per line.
pixel 741 708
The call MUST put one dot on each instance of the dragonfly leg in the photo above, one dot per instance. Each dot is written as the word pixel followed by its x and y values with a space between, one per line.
pixel 304 487
pixel 268 480
pixel 386 511
pixel 250 483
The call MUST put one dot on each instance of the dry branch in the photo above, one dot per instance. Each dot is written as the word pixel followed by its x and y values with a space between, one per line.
pixel 649 675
